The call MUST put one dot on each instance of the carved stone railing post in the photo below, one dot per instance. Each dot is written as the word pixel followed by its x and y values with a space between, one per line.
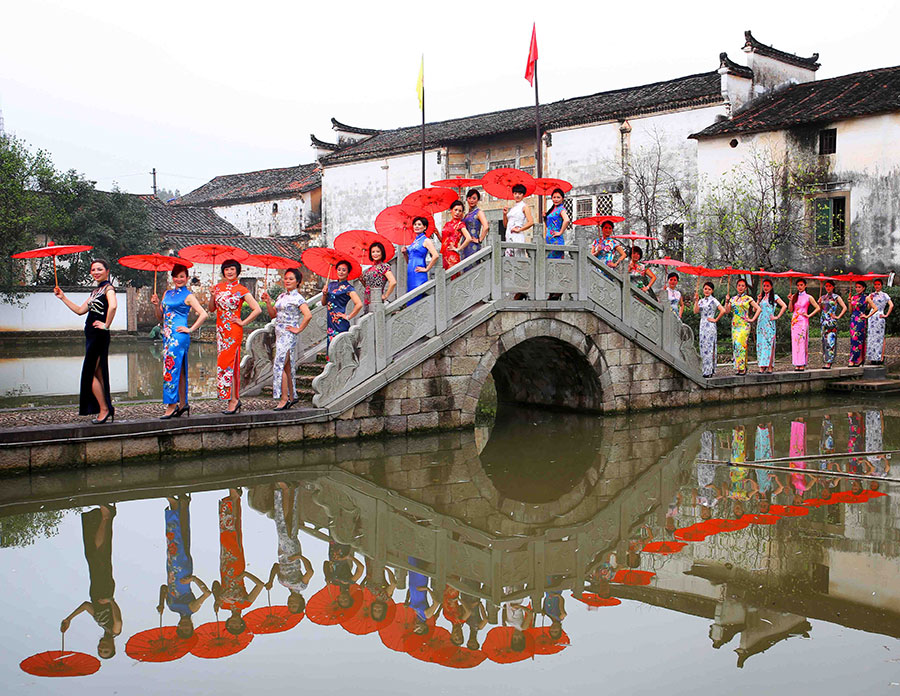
pixel 496 262
pixel 440 298
pixel 400 273
pixel 381 344
pixel 540 266
pixel 584 267
pixel 621 272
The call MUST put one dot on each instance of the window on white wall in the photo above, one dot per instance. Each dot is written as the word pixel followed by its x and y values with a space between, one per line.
pixel 584 207
pixel 605 204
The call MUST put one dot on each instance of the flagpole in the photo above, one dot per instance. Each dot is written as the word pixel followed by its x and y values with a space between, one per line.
pixel 537 141
pixel 423 120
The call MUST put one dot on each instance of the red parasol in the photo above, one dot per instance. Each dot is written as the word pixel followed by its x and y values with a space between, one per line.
pixel 362 623
pixel 214 641
pixel 666 261
pixel 434 199
pixel 463 658
pixel 497 646
pixel 545 185
pixel 396 223
pixel 858 277
pixel 395 632
pixel 500 182
pixel 357 243
pixel 634 236
pixel 322 261
pixel 544 644
pixel 633 577
pixel 161 644
pixel 458 182
pixel 664 547
pixel 60 663
pixel 272 619
pixel 153 262
pixel 323 608
pixel 599 220
pixel 53 250
pixel 595 600
pixel 434 646
pixel 212 253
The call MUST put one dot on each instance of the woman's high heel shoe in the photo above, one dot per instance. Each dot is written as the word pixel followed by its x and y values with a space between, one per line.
pixel 182 411
pixel 237 409
pixel 110 416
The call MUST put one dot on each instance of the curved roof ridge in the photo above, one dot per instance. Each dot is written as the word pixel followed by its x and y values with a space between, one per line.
pixel 337 125
pixel 751 43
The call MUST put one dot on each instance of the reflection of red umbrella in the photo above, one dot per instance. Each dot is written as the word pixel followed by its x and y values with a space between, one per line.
pixel 599 220
pixel 60 663
pixel 458 182
pixel 595 600
pixel 268 261
pixel 434 646
pixel 214 641
pixel 462 658
pixel 633 577
pixel 153 262
pixel 545 185
pixel 544 644
pixel 761 519
pixel 158 645
pixel 362 623
pixel 322 261
pixel 212 253
pixel 323 608
pixel 788 510
pixel 435 199
pixel 497 646
pixel 396 223
pixel 53 250
pixel 500 182
pixel 664 547
pixel 272 619
pixel 395 632
pixel 357 243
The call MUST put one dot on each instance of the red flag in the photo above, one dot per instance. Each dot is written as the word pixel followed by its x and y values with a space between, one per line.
pixel 531 66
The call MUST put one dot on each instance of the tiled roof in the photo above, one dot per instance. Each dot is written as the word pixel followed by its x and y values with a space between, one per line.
pixel 278 246
pixel 752 44
pixel 338 126
pixel 321 144
pixel 734 68
pixel 684 92
pixel 820 101
pixel 248 187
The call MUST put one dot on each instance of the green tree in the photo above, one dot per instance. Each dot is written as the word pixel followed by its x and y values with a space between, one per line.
pixel 24 529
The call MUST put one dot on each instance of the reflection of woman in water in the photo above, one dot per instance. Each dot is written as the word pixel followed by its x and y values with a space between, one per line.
pixel 292 569
pixel 876 465
pixel 417 598
pixel 342 569
pixel 231 593
pixel 554 608
pixel 519 617
pixel 380 581
pixel 800 482
pixel 176 593
pixel 767 481
pixel 455 612
pixel 96 531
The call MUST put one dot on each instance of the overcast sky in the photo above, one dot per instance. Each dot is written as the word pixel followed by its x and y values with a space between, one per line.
pixel 198 89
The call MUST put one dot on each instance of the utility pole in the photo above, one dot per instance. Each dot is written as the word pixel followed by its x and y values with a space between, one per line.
pixel 153 172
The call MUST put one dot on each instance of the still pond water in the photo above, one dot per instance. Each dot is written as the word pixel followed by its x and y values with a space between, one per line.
pixel 707 579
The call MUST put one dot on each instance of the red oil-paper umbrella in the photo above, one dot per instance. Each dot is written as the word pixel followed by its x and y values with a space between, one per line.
pixel 633 577
pixel 357 244
pixel 457 182
pixel 433 646
pixel 545 185
pixel 161 644
pixel 498 646
pixel 268 261
pixel 325 608
pixel 544 643
pixel 271 619
pixel 595 600
pixel 212 253
pixel 664 547
pixel 323 260
pixel 396 223
pixel 500 182
pixel 394 633
pixel 462 658
pixel 435 199
pixel 666 261
pixel 153 262
pixel 60 663
pixel 599 220
pixel 362 623
pixel 53 250
pixel 215 641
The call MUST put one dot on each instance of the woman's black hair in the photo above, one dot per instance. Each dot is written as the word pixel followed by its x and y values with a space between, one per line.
pixel 520 188
pixel 552 204
pixel 423 219
pixel 102 262
pixel 473 192
pixel 455 203
pixel 745 282
pixel 864 288
pixel 380 246
pixel 297 274
pixel 605 223
pixel 801 280
pixel 344 263
pixel 832 284
pixel 230 263
pixel 709 284
pixel 674 275
pixel 178 269
pixel 770 295
pixel 636 249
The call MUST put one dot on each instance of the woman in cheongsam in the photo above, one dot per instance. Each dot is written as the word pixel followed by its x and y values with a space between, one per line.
pixel 557 222
pixel 476 223
pixel 454 237
pixel 291 315
pixel 710 311
pixel 377 277
pixel 740 306
pixel 829 301
pixel 858 308
pixel 226 300
pixel 606 248
pixel 881 307
pixel 642 277
pixel 339 294
pixel 765 326
pixel 799 305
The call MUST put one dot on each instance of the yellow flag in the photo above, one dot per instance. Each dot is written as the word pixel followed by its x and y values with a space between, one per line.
pixel 420 85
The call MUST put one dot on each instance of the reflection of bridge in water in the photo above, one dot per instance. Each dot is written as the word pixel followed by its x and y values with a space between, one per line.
pixel 441 501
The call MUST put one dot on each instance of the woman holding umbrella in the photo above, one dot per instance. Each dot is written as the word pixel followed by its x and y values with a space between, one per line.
pixel 226 299
pixel 339 294
pixel 640 275
pixel 830 301
pixel 421 255
pixel 100 308
pixel 476 223
pixel 291 315
pixel 454 237
pixel 799 305
pixel 378 276
pixel 710 311
pixel 173 312
pixel 606 248
pixel 557 221
pixel 765 327
pixel 858 304
pixel 518 219
pixel 740 306
pixel 881 306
